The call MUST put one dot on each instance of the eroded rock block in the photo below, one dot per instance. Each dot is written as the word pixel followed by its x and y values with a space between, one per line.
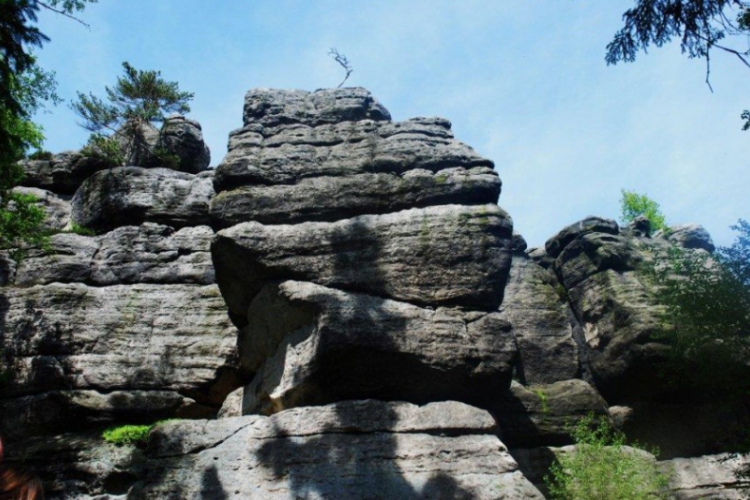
pixel 315 345
pixel 445 255
pixel 126 196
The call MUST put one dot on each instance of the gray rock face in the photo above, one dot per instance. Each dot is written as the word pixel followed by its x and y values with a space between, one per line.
pixel 322 345
pixel 346 451
pixel 150 253
pixel 544 414
pixel 56 207
pixel 588 225
pixel 712 476
pixel 536 305
pixel 334 198
pixel 691 236
pixel 62 337
pixel 133 195
pixel 183 138
pixel 614 304
pixel 292 135
pixel 63 174
pixel 446 255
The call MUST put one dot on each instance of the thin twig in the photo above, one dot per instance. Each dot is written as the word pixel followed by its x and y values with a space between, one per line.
pixel 343 61
pixel 708 70
pixel 62 12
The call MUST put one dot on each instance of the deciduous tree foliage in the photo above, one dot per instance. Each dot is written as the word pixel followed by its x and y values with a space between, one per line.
pixel 634 205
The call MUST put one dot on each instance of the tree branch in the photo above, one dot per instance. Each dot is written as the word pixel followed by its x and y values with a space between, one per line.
pixel 62 12
pixel 343 61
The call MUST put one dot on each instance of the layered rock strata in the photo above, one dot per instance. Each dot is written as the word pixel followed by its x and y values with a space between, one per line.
pixel 127 326
pixel 395 277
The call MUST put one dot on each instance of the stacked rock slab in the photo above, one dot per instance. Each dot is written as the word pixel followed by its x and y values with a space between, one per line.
pixel 362 258
pixel 126 326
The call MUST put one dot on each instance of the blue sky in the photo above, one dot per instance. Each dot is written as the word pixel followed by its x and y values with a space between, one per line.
pixel 523 81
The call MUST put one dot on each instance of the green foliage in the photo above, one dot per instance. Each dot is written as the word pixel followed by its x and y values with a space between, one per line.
pixel 105 148
pixel 78 229
pixel 137 99
pixel 20 223
pixel 40 155
pixel 127 434
pixel 707 318
pixel 602 469
pixel 633 205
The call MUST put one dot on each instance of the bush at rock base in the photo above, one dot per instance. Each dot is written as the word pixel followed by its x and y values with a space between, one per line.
pixel 602 467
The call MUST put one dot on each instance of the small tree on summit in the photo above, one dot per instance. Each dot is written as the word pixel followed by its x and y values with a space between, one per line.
pixel 120 124
pixel 633 205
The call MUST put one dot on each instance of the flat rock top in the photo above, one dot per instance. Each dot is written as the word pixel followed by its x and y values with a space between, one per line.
pixel 275 107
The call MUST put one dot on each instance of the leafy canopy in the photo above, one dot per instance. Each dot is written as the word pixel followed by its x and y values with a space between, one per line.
pixel 601 467
pixel 634 205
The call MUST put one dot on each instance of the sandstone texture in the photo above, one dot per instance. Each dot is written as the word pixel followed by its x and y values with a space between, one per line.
pixel 349 450
pixel 63 174
pixel 133 195
pixel 346 295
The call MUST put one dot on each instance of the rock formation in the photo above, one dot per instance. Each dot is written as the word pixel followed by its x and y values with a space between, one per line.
pixel 345 294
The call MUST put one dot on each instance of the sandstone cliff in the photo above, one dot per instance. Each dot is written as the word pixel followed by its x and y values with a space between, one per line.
pixel 344 293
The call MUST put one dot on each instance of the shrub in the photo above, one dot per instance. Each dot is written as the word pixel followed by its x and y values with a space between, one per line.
pixel 127 434
pixel 40 155
pixel 634 205
pixel 602 467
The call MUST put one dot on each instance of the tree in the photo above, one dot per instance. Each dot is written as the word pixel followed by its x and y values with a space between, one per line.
pixel 138 99
pixel 700 25
pixel 634 205
pixel 24 87
pixel 707 301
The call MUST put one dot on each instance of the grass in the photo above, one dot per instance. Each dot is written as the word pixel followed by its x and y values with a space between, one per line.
pixel 131 434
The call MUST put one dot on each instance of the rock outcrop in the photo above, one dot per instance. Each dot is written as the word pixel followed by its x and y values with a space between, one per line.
pixel 346 295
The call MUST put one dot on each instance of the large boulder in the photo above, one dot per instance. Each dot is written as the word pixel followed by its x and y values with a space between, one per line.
pixel 691 236
pixel 315 345
pixel 445 255
pixel 349 450
pixel 126 196
pixel 63 174
pixel 183 138
pixel 717 477
pixel 543 415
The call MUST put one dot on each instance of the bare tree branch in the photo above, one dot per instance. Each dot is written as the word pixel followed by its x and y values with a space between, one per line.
pixel 343 61
pixel 57 11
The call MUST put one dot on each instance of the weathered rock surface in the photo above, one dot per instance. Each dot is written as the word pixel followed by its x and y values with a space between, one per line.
pixel 133 195
pixel 56 207
pixel 183 138
pixel 322 345
pixel 349 450
pixel 691 236
pixel 334 198
pixel 150 253
pixel 131 338
pixel 63 174
pixel 292 135
pixel 536 306
pixel 542 415
pixel 445 255
pixel 711 476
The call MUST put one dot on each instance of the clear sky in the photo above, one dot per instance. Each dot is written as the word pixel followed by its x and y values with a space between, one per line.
pixel 523 81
